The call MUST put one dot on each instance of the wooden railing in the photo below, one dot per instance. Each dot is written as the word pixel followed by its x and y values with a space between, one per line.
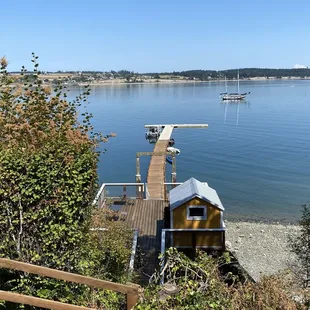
pixel 131 290
pixel 101 196
pixel 142 191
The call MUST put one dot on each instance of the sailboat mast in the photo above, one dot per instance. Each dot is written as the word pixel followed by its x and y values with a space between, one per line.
pixel 225 83
pixel 238 82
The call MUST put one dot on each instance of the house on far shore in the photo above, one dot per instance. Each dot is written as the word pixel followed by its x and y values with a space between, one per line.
pixel 196 217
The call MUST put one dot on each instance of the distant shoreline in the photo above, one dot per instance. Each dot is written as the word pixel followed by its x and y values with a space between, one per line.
pixel 119 82
pixel 181 81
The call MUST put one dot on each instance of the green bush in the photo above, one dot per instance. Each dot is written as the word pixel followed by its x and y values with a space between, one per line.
pixel 48 178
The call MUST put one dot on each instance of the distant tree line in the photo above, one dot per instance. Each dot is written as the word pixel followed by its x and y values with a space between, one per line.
pixel 205 75
pixel 244 73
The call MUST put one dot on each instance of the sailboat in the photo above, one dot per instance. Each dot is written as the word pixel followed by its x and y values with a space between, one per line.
pixel 233 96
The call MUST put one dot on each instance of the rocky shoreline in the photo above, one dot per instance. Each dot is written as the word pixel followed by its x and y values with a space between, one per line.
pixel 261 248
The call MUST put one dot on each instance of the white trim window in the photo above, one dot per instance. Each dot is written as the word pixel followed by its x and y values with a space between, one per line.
pixel 196 213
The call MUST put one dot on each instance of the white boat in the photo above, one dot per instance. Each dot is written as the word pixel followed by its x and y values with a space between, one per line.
pixel 173 150
pixel 233 96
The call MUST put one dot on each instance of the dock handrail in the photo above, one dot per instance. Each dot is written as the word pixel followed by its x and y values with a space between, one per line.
pixel 147 193
pixel 101 196
pixel 133 250
pixel 131 290
pixel 142 190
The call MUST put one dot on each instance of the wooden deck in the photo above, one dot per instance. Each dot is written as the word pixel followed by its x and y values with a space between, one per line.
pixel 157 168
pixel 146 216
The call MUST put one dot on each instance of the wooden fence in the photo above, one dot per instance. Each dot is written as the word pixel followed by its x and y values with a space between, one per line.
pixel 131 290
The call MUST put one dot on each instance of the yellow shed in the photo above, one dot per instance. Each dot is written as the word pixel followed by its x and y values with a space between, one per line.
pixel 196 216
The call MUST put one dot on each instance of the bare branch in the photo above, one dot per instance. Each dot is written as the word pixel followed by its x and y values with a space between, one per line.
pixel 10 221
pixel 20 228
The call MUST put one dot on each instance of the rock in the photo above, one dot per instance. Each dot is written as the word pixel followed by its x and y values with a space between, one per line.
pixel 250 235
pixel 298 299
pixel 228 245
pixel 262 231
pixel 170 288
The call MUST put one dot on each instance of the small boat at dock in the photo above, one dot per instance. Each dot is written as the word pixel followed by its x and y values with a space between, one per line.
pixel 153 132
pixel 171 142
pixel 169 159
pixel 173 150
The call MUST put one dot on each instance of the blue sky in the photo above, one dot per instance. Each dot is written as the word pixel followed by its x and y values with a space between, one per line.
pixel 152 36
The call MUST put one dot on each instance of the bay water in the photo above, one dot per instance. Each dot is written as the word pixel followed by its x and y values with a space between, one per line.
pixel 254 153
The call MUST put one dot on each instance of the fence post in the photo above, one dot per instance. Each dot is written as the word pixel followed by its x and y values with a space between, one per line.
pixel 165 191
pixel 132 300
pixel 124 192
pixel 174 170
pixel 138 175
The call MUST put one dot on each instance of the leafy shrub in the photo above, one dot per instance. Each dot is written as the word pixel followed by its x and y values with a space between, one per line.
pixel 48 178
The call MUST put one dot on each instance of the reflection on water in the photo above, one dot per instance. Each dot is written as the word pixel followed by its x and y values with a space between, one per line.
pixel 234 103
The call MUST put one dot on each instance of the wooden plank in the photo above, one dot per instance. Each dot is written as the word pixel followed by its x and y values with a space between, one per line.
pixel 160 214
pixel 148 230
pixel 166 133
pixel 156 172
pixel 132 300
pixel 140 217
pixel 133 213
pixel 144 218
pixel 38 302
pixel 148 212
pixel 66 276
pixel 153 219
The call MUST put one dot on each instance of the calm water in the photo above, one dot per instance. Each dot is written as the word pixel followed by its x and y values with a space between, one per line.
pixel 255 154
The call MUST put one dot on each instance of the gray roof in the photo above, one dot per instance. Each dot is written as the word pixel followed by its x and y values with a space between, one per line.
pixel 193 188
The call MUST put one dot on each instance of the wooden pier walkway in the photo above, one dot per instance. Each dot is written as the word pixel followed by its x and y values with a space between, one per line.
pixel 157 168
pixel 147 216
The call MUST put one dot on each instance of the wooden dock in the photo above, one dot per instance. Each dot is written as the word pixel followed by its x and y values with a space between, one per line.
pixel 157 168
pixel 147 217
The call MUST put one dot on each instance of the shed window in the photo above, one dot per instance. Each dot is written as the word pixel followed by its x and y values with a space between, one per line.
pixel 197 213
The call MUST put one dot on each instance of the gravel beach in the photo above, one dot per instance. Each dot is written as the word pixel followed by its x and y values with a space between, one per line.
pixel 261 248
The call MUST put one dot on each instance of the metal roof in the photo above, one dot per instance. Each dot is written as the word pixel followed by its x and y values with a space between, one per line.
pixel 193 188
